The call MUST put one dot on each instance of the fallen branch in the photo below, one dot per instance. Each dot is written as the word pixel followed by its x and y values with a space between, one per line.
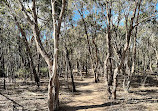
pixel 14 102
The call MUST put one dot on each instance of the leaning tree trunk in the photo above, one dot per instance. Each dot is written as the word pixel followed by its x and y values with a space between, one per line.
pixel 53 86
pixel 123 57
pixel 24 37
pixel 30 58
pixel 70 68
pixel 131 71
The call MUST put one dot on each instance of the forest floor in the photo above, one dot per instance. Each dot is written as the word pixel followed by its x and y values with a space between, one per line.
pixel 90 96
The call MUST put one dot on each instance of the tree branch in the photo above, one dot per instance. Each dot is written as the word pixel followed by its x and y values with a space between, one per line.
pixel 61 14
pixel 147 18
pixel 25 12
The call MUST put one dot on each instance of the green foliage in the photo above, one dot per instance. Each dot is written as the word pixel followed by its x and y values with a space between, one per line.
pixel 44 70
pixel 2 8
pixel 21 72
pixel 154 66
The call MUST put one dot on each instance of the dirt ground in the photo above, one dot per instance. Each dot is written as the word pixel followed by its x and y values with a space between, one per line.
pixel 90 96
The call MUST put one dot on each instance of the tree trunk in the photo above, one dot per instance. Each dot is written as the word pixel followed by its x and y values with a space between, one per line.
pixel 25 41
pixel 86 66
pixel 70 68
pixel 37 80
pixel 123 57
pixel 116 71
pixel 53 90
pixel 53 86
pixel 2 68
pixel 38 64
pixel 89 48
pixel 108 62
pixel 108 91
pixel 156 57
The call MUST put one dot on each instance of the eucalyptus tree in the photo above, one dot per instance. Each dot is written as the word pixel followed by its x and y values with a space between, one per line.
pixel 14 14
pixel 53 86
pixel 143 17
pixel 6 49
pixel 33 19
pixel 121 18
pixel 131 22
pixel 148 36
pixel 88 19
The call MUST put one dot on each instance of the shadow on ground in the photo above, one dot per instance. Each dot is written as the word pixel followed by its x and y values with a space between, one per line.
pixel 75 108
pixel 151 80
pixel 145 92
